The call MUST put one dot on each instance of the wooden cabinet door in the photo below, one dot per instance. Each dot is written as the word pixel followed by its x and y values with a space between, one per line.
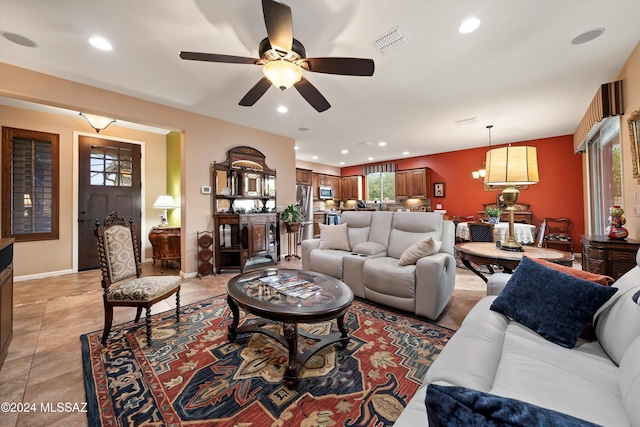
pixel 351 187
pixel 303 176
pixel 258 237
pixel 418 183
pixel 314 186
pixel 402 184
pixel 336 183
pixel 345 183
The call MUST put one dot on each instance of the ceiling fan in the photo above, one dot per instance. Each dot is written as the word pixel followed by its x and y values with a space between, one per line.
pixel 284 58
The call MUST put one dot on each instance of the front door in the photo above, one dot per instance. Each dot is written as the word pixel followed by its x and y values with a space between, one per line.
pixel 109 180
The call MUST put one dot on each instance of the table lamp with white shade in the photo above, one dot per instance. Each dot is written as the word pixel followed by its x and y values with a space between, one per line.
pixel 164 202
pixel 511 166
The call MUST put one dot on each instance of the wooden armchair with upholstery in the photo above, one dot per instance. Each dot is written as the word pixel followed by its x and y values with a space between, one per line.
pixel 121 274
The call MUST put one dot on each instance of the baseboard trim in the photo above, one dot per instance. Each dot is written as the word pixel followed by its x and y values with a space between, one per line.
pixel 41 275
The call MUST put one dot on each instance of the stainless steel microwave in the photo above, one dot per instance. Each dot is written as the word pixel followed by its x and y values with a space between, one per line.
pixel 325 193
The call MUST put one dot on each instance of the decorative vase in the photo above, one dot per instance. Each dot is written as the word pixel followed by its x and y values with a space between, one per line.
pixel 494 220
pixel 615 229
pixel 292 227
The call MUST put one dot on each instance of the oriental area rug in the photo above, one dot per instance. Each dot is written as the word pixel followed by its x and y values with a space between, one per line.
pixel 193 376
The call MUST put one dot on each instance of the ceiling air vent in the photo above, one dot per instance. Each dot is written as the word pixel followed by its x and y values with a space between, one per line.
pixel 392 41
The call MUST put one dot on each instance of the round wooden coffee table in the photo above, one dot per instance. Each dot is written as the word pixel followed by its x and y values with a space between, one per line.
pixel 290 297
pixel 486 253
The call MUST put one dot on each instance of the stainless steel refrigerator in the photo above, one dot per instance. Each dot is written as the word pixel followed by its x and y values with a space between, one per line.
pixel 304 198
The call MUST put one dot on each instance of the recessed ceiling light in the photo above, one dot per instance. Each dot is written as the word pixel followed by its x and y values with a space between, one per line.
pixel 344 151
pixel 282 109
pixel 295 148
pixel 314 157
pixel 588 36
pixel 405 153
pixel 342 163
pixel 382 143
pixel 469 26
pixel 18 39
pixel 100 43
pixel 370 158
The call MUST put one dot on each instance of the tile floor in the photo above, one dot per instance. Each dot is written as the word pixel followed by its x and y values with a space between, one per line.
pixel 44 363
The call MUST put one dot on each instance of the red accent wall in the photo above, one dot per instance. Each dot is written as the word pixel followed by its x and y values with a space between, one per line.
pixel 558 194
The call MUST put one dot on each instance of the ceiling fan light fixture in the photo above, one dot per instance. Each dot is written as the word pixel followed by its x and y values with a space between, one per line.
pixel 283 74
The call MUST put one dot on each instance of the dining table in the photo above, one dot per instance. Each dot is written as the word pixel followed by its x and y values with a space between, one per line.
pixel 525 234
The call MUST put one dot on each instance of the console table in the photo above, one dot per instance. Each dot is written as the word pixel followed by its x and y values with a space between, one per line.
pixel 602 255
pixel 166 244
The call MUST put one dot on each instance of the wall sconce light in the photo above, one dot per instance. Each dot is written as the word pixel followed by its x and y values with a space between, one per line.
pixel 97 122
pixel 480 173
pixel 164 202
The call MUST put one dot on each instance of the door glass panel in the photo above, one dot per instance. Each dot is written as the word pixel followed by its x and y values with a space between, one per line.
pixel 110 166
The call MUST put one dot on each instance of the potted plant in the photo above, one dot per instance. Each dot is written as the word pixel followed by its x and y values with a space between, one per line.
pixel 494 215
pixel 291 216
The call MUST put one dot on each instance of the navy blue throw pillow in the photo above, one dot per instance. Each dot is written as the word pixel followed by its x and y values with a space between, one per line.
pixel 553 304
pixel 462 407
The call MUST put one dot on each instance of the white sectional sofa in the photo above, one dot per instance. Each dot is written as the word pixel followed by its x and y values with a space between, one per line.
pixel 598 382
pixel 370 262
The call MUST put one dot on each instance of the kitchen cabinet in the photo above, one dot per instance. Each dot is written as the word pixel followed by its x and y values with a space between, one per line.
pixel 351 187
pixel 165 242
pixel 336 183
pixel 413 183
pixel 323 180
pixel 318 218
pixel 303 176
pixel 314 186
pixel 602 255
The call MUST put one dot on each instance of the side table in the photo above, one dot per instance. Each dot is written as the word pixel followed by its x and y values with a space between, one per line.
pixel 612 257
pixel 166 244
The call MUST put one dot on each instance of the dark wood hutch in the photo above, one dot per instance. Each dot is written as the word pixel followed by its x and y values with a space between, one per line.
pixel 246 227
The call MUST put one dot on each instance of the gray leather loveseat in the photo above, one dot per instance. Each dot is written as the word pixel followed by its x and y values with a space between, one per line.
pixel 370 263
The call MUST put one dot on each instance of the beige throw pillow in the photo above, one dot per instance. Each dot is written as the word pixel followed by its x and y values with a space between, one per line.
pixel 418 250
pixel 334 237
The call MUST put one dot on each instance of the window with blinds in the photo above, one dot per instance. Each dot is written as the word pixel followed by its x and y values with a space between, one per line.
pixel 29 184
pixel 381 182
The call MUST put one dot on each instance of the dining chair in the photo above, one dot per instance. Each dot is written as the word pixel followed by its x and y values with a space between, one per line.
pixel 481 232
pixel 457 220
pixel 121 274
pixel 557 234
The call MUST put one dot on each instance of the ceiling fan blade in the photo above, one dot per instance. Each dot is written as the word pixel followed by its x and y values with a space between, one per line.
pixel 214 57
pixel 255 92
pixel 279 23
pixel 342 66
pixel 312 95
